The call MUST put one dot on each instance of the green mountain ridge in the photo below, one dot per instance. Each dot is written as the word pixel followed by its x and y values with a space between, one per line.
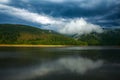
pixel 107 38
pixel 22 34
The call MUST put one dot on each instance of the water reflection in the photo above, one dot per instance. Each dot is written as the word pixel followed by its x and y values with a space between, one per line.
pixel 70 63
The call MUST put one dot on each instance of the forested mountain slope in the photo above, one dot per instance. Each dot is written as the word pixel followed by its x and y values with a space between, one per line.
pixel 22 34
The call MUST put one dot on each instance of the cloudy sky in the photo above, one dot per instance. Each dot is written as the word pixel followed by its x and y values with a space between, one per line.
pixel 64 16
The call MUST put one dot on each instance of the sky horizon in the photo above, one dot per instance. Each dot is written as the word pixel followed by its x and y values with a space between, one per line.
pixel 64 16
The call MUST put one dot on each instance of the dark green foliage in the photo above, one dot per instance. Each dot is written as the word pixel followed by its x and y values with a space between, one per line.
pixel 108 37
pixel 91 39
pixel 21 34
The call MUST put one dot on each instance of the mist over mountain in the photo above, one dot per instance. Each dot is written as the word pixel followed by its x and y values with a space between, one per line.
pixel 63 16
pixel 22 34
pixel 107 38
pixel 84 20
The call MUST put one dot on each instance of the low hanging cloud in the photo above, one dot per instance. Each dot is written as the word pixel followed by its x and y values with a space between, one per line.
pixel 64 26
pixel 80 26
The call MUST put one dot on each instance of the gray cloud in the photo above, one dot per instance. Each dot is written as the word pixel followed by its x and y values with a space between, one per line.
pixel 5 1
pixel 82 3
pixel 89 3
pixel 26 15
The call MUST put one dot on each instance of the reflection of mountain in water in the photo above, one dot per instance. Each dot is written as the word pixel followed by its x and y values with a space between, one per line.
pixel 72 64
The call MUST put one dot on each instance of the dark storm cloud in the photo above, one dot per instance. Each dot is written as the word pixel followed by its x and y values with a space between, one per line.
pixel 106 9
pixel 68 8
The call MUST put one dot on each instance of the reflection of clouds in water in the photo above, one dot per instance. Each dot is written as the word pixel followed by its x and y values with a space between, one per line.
pixel 79 65
pixel 73 64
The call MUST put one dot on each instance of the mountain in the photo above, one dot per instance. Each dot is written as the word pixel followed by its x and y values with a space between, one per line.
pixel 22 34
pixel 107 38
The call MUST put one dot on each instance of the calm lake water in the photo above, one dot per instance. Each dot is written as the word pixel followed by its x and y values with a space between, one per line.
pixel 68 63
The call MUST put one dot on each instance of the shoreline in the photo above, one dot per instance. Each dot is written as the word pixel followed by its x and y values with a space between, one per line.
pixel 27 45
pixel 40 45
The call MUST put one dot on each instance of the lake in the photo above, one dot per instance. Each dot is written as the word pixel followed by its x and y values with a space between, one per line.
pixel 63 63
